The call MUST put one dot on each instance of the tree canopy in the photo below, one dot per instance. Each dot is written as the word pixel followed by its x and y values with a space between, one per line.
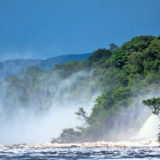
pixel 154 104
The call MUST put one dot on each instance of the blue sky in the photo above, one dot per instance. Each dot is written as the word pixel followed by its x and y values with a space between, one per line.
pixel 47 28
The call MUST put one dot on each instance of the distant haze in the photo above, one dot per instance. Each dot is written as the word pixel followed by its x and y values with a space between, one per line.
pixel 11 67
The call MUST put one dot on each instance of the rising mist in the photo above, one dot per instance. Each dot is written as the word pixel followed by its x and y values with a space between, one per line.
pixel 35 108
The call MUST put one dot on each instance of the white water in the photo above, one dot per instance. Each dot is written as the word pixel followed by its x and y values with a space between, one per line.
pixel 147 136
pixel 144 148
pixel 150 129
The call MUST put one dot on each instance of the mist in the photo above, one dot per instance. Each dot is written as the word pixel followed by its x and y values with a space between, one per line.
pixel 36 105
pixel 136 123
pixel 38 112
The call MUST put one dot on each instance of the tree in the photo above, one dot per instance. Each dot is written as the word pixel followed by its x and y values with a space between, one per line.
pixel 68 135
pixel 154 104
pixel 82 114
pixel 113 47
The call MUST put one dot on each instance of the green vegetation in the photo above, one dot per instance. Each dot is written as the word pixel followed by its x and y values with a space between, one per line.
pixel 154 104
pixel 82 114
pixel 120 74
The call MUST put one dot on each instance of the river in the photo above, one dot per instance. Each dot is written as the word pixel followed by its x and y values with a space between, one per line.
pixel 83 151
pixel 142 146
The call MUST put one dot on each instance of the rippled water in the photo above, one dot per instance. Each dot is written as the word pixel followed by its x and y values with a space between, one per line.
pixel 78 153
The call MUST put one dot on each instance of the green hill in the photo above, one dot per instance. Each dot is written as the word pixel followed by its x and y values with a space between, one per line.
pixel 120 76
pixel 124 75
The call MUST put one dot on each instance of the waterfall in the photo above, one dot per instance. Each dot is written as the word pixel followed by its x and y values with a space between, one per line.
pixel 150 129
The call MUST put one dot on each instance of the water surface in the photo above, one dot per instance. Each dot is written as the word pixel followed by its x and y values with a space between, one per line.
pixel 79 152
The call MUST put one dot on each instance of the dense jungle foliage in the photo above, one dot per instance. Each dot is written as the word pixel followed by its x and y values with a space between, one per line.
pixel 124 75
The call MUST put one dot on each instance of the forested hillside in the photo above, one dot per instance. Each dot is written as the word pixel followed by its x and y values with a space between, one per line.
pixel 125 75
pixel 118 78
pixel 10 67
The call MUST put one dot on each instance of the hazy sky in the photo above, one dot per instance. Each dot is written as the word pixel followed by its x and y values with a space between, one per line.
pixel 47 28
